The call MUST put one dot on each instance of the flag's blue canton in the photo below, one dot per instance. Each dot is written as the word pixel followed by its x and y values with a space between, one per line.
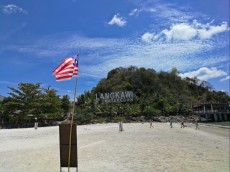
pixel 75 62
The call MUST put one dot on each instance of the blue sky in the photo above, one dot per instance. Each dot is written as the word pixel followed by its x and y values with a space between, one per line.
pixel 35 36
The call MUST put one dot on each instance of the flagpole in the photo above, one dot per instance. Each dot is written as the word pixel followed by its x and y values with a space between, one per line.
pixel 71 125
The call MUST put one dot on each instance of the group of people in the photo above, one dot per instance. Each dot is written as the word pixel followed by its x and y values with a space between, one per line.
pixel 151 125
pixel 182 124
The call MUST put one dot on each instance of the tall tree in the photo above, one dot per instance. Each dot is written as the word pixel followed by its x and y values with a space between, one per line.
pixel 51 103
pixel 65 105
pixel 25 100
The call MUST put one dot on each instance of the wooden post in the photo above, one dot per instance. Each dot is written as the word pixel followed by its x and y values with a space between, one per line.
pixel 71 126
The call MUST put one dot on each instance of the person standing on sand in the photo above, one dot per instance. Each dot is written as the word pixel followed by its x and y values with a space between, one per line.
pixel 120 127
pixel 182 124
pixel 35 123
pixel 197 127
pixel 171 123
pixel 151 124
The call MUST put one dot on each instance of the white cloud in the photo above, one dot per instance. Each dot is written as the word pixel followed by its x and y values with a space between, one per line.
pixel 207 31
pixel 167 12
pixel 11 8
pixel 117 20
pixel 181 31
pixel 147 37
pixel 204 73
pixel 225 79
pixel 186 31
pixel 103 54
pixel 159 56
pixel 135 12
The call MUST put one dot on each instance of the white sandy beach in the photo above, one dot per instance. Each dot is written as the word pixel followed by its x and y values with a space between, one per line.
pixel 101 148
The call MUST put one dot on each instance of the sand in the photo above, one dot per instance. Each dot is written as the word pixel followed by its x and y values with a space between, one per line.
pixel 101 148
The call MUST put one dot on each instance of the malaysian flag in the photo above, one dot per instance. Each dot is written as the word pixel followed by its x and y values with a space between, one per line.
pixel 67 69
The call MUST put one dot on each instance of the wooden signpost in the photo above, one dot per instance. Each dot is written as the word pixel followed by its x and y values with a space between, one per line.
pixel 64 134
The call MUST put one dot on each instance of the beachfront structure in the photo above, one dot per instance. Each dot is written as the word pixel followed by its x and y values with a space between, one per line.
pixel 213 111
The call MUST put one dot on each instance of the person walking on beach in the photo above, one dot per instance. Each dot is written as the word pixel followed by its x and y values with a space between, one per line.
pixel 182 124
pixel 171 123
pixel 151 124
pixel 120 127
pixel 35 123
pixel 197 127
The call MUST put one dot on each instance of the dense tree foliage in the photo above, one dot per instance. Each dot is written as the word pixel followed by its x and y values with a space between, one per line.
pixel 65 104
pixel 162 93
pixel 28 101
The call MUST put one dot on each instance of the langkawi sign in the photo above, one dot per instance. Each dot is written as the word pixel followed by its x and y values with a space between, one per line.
pixel 119 96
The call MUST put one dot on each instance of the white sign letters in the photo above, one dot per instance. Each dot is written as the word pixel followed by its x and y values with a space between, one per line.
pixel 119 96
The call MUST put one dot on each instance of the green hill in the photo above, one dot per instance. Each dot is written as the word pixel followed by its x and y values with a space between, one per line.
pixel 155 93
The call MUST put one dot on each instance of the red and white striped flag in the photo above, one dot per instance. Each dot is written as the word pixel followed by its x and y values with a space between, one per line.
pixel 67 69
